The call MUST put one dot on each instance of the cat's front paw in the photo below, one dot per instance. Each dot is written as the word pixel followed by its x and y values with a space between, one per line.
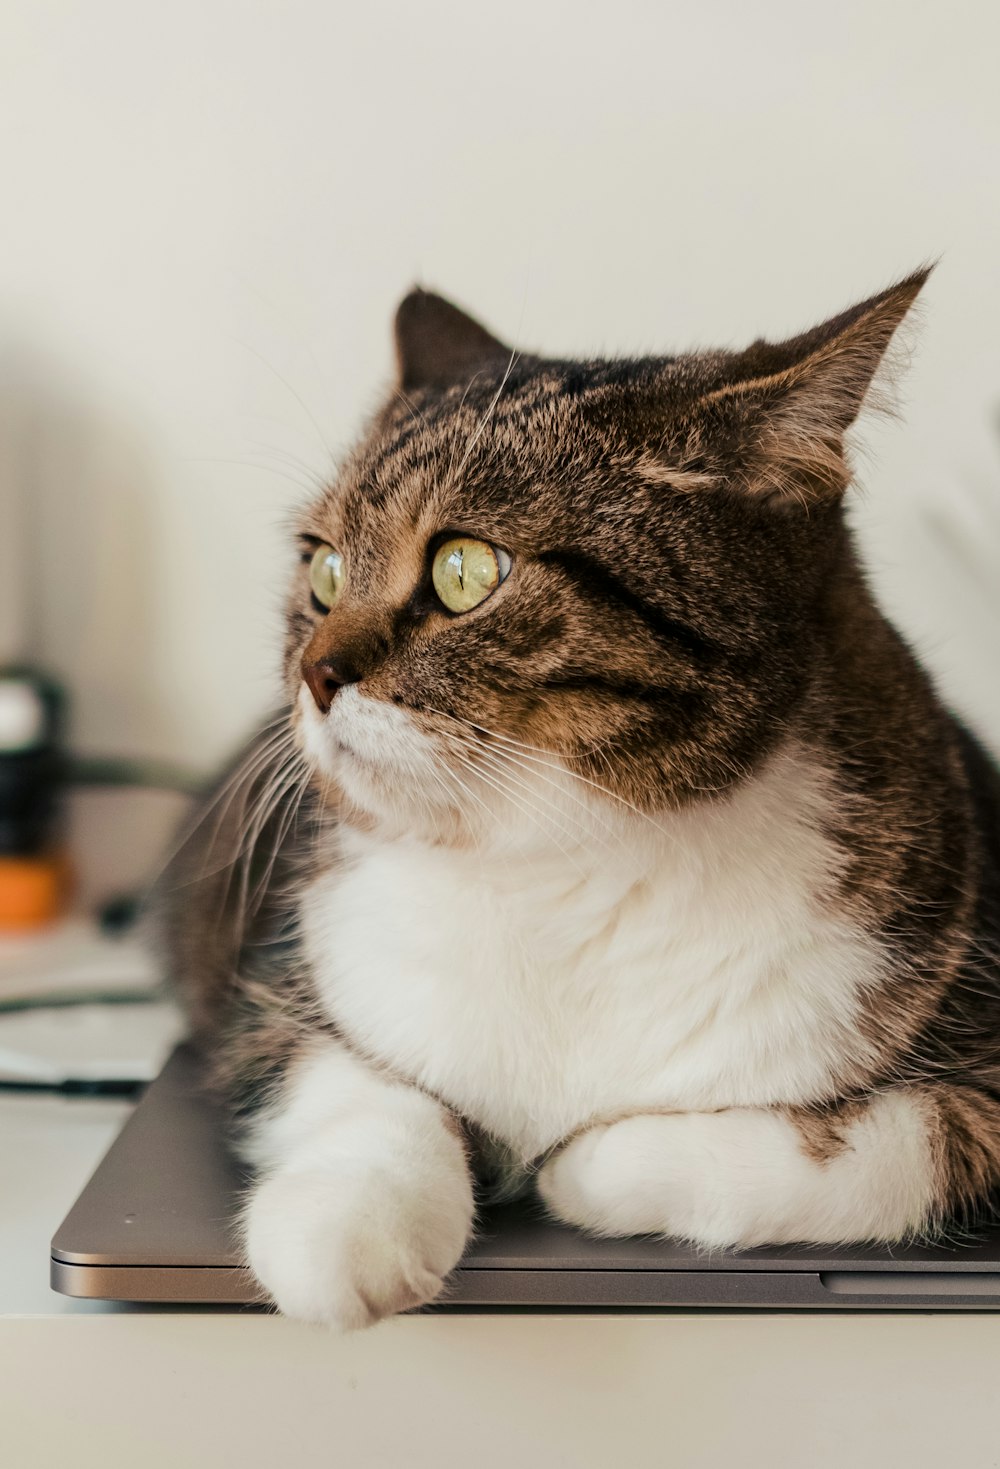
pixel 668 1173
pixel 573 1186
pixel 347 1247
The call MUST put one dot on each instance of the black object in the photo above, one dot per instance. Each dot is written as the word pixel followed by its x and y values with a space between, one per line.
pixel 119 913
pixel 31 778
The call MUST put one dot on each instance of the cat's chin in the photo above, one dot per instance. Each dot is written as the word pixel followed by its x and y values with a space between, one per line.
pixel 374 755
pixel 369 792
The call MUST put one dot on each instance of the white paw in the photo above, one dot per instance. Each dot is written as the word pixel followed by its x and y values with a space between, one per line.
pixel 347 1245
pixel 587 1184
pixel 697 1176
pixel 742 1177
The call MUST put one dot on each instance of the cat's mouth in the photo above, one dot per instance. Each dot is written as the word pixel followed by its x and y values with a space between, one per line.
pixel 422 778
pixel 372 748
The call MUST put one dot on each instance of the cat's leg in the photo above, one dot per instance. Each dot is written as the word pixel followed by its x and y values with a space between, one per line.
pixel 363 1202
pixel 894 1164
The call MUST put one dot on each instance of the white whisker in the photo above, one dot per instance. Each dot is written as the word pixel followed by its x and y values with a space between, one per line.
pixel 501 769
pixel 526 810
pixel 536 754
pixel 484 421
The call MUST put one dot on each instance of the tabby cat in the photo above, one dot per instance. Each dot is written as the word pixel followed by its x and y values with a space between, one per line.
pixel 612 846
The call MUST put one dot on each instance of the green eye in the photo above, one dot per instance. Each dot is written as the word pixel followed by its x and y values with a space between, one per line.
pixel 326 575
pixel 466 571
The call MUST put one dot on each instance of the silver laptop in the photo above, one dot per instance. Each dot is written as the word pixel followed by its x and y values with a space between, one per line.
pixel 155 1224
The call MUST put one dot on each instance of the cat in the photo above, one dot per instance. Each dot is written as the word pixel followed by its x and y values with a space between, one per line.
pixel 612 845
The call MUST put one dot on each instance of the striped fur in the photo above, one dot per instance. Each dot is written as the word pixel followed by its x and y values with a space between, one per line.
pixel 660 882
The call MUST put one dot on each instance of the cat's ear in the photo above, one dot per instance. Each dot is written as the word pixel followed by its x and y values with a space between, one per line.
pixel 437 345
pixel 788 405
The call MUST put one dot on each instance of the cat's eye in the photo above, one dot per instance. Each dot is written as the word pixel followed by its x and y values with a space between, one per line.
pixel 465 571
pixel 326 575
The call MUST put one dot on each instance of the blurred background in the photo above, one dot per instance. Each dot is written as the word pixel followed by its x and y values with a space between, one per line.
pixel 211 209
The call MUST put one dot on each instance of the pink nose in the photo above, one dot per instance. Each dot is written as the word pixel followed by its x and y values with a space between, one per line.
pixel 323 679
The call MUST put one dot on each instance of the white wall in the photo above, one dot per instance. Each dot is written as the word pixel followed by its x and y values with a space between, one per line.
pixel 210 209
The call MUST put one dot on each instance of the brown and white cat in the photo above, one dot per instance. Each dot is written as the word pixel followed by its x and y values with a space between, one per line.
pixel 613 844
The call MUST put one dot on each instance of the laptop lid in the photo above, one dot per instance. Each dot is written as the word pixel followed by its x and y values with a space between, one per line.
pixel 156 1224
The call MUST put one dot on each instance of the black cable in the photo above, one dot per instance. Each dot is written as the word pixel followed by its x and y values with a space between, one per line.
pixel 66 999
pixel 78 1086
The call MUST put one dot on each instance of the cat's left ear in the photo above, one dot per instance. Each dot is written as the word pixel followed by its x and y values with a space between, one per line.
pixel 789 405
pixel 438 346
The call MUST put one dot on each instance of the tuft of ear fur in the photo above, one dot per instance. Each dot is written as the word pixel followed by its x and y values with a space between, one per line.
pixel 791 403
pixel 438 346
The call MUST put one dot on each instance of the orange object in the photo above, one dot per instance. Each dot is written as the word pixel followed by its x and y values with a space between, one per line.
pixel 33 890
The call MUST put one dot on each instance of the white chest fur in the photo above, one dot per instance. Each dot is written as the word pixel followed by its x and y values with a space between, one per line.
pixel 693 965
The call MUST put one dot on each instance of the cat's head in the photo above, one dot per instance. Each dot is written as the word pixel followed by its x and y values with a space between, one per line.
pixel 539 580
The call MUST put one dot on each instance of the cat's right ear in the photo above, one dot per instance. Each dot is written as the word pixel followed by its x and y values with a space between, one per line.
pixel 439 346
